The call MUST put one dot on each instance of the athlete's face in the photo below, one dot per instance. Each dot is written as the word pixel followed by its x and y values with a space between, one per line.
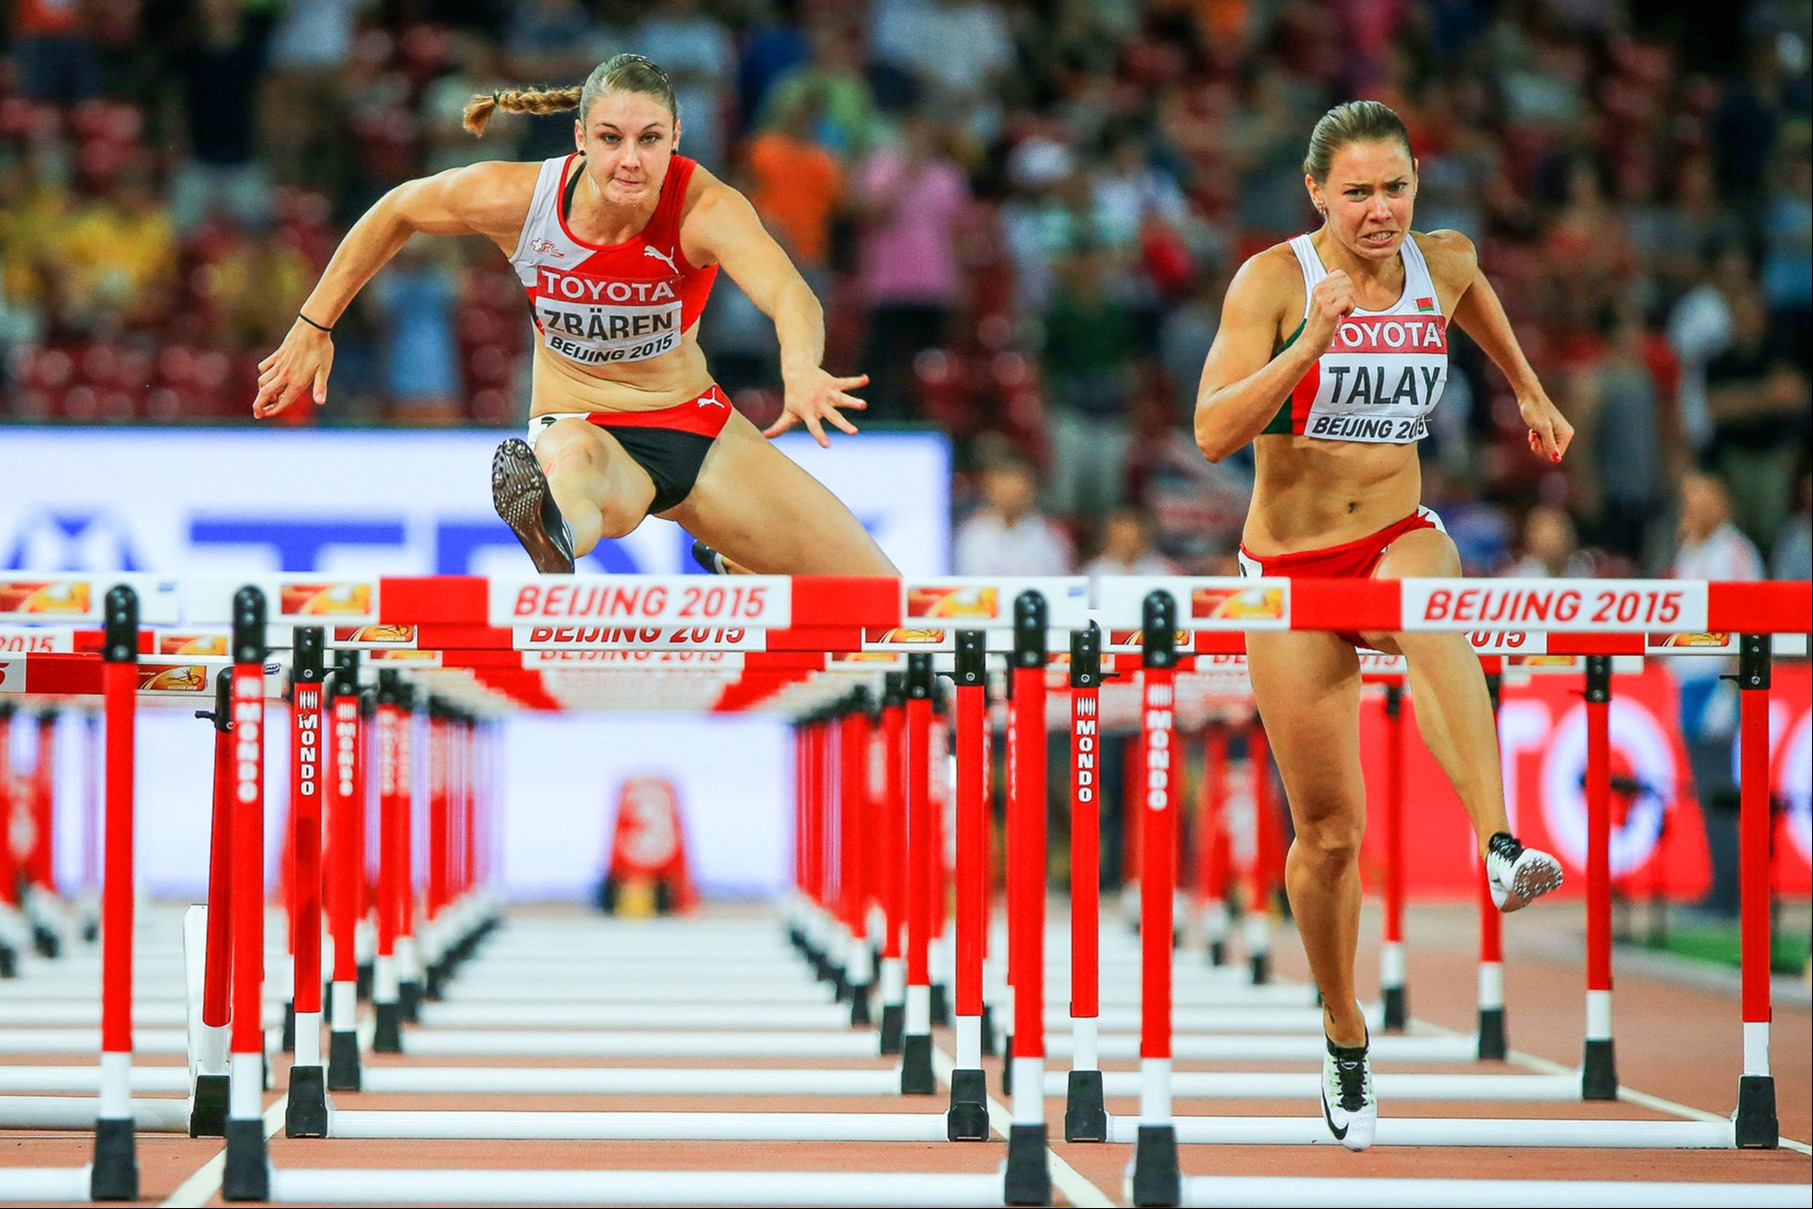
pixel 628 140
pixel 1368 197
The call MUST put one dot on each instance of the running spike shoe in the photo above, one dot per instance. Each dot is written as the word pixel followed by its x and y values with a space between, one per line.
pixel 1348 1104
pixel 708 558
pixel 520 493
pixel 1518 875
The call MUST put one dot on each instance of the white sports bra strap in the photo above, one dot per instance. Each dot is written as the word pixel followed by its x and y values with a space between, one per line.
pixel 1311 264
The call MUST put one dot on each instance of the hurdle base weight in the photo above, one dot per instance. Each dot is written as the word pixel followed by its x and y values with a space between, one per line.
pixel 208 1107
pixel 1758 1128
pixel 9 962
pixel 409 999
pixel 916 1077
pixel 1155 1178
pixel 305 1116
pixel 115 1173
pixel 1085 1116
pixel 344 1072
pixel 941 1005
pixel 1493 1045
pixel 1397 1010
pixel 247 1175
pixel 388 1036
pixel 45 941
pixel 362 981
pixel 1218 952
pixel 289 1026
pixel 1599 1071
pixel 1028 1179
pixel 989 1049
pixel 967 1118
pixel 893 1027
pixel 1260 965
pixel 859 1004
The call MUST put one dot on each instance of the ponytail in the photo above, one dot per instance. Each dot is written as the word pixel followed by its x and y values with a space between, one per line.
pixel 620 73
pixel 517 100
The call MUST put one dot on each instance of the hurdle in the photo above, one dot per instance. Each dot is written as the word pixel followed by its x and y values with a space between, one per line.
pixel 1155 1178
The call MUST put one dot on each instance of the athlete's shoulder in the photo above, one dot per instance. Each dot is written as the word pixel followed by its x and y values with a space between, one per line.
pixel 704 191
pixel 1446 250
pixel 1272 273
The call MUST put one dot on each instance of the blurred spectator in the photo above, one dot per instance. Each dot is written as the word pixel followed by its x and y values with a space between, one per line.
pixel 842 105
pixel 1187 333
pixel 254 286
pixel 474 70
pixel 960 49
pixel 1710 547
pixel 304 108
pixel 1699 328
pixel 910 199
pixel 695 50
pixel 1626 428
pixel 55 51
pixel 1551 547
pixel 1088 359
pixel 116 257
pixel 1758 403
pixel 1127 547
pixel 554 43
pixel 1046 216
pixel 1792 555
pixel 774 46
pixel 1008 535
pixel 221 64
pixel 415 296
pixel 34 207
pixel 1788 253
pixel 796 185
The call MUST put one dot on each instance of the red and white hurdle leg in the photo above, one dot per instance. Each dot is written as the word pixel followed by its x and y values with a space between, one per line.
pixel 967 1117
pixel 1493 1043
pixel 1756 1121
pixel 1599 1066
pixel 894 873
pixel 1154 1177
pixel 1028 1172
pixel 114 1175
pixel 1391 946
pixel 345 873
pixel 247 1173
pixel 1085 1115
pixel 916 1077
pixel 306 1111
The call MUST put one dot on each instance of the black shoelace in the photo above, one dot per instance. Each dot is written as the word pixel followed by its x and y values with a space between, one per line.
pixel 1352 1073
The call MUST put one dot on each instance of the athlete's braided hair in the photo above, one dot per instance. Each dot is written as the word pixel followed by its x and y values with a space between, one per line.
pixel 1352 122
pixel 619 73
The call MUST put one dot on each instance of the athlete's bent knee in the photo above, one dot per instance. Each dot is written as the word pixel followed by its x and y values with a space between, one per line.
pixel 619 519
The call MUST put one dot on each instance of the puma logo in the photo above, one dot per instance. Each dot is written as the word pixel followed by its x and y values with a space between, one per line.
pixel 710 399
pixel 663 257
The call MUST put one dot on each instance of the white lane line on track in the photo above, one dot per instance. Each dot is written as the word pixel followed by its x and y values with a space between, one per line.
pixel 1064 1177
pixel 1629 1094
pixel 200 1188
pixel 1633 1096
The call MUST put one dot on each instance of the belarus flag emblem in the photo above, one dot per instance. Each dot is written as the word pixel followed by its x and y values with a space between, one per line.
pixel 1425 304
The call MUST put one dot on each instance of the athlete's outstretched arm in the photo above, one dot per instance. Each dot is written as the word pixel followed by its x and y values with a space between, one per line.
pixel 475 200
pixel 724 227
pixel 1242 382
pixel 1480 314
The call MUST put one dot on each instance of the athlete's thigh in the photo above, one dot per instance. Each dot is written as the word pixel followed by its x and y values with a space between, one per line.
pixel 1307 686
pixel 1419 554
pixel 758 508
pixel 610 475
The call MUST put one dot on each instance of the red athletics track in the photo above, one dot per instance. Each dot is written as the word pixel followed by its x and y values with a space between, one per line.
pixel 1676 1040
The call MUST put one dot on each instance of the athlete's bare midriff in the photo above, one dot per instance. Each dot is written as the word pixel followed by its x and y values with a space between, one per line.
pixel 1310 493
pixel 557 384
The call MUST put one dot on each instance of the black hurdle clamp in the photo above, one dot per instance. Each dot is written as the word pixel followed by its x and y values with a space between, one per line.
pixel 1158 630
pixel 119 633
pixel 1031 620
pixel 248 626
pixel 1086 657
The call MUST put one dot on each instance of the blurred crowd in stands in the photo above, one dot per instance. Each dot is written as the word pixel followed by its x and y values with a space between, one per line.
pixel 1021 216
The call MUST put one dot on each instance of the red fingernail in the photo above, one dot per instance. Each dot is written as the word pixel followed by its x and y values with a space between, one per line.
pixel 1555 457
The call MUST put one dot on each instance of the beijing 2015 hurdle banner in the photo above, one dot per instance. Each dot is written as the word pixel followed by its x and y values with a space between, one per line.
pixel 356 502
